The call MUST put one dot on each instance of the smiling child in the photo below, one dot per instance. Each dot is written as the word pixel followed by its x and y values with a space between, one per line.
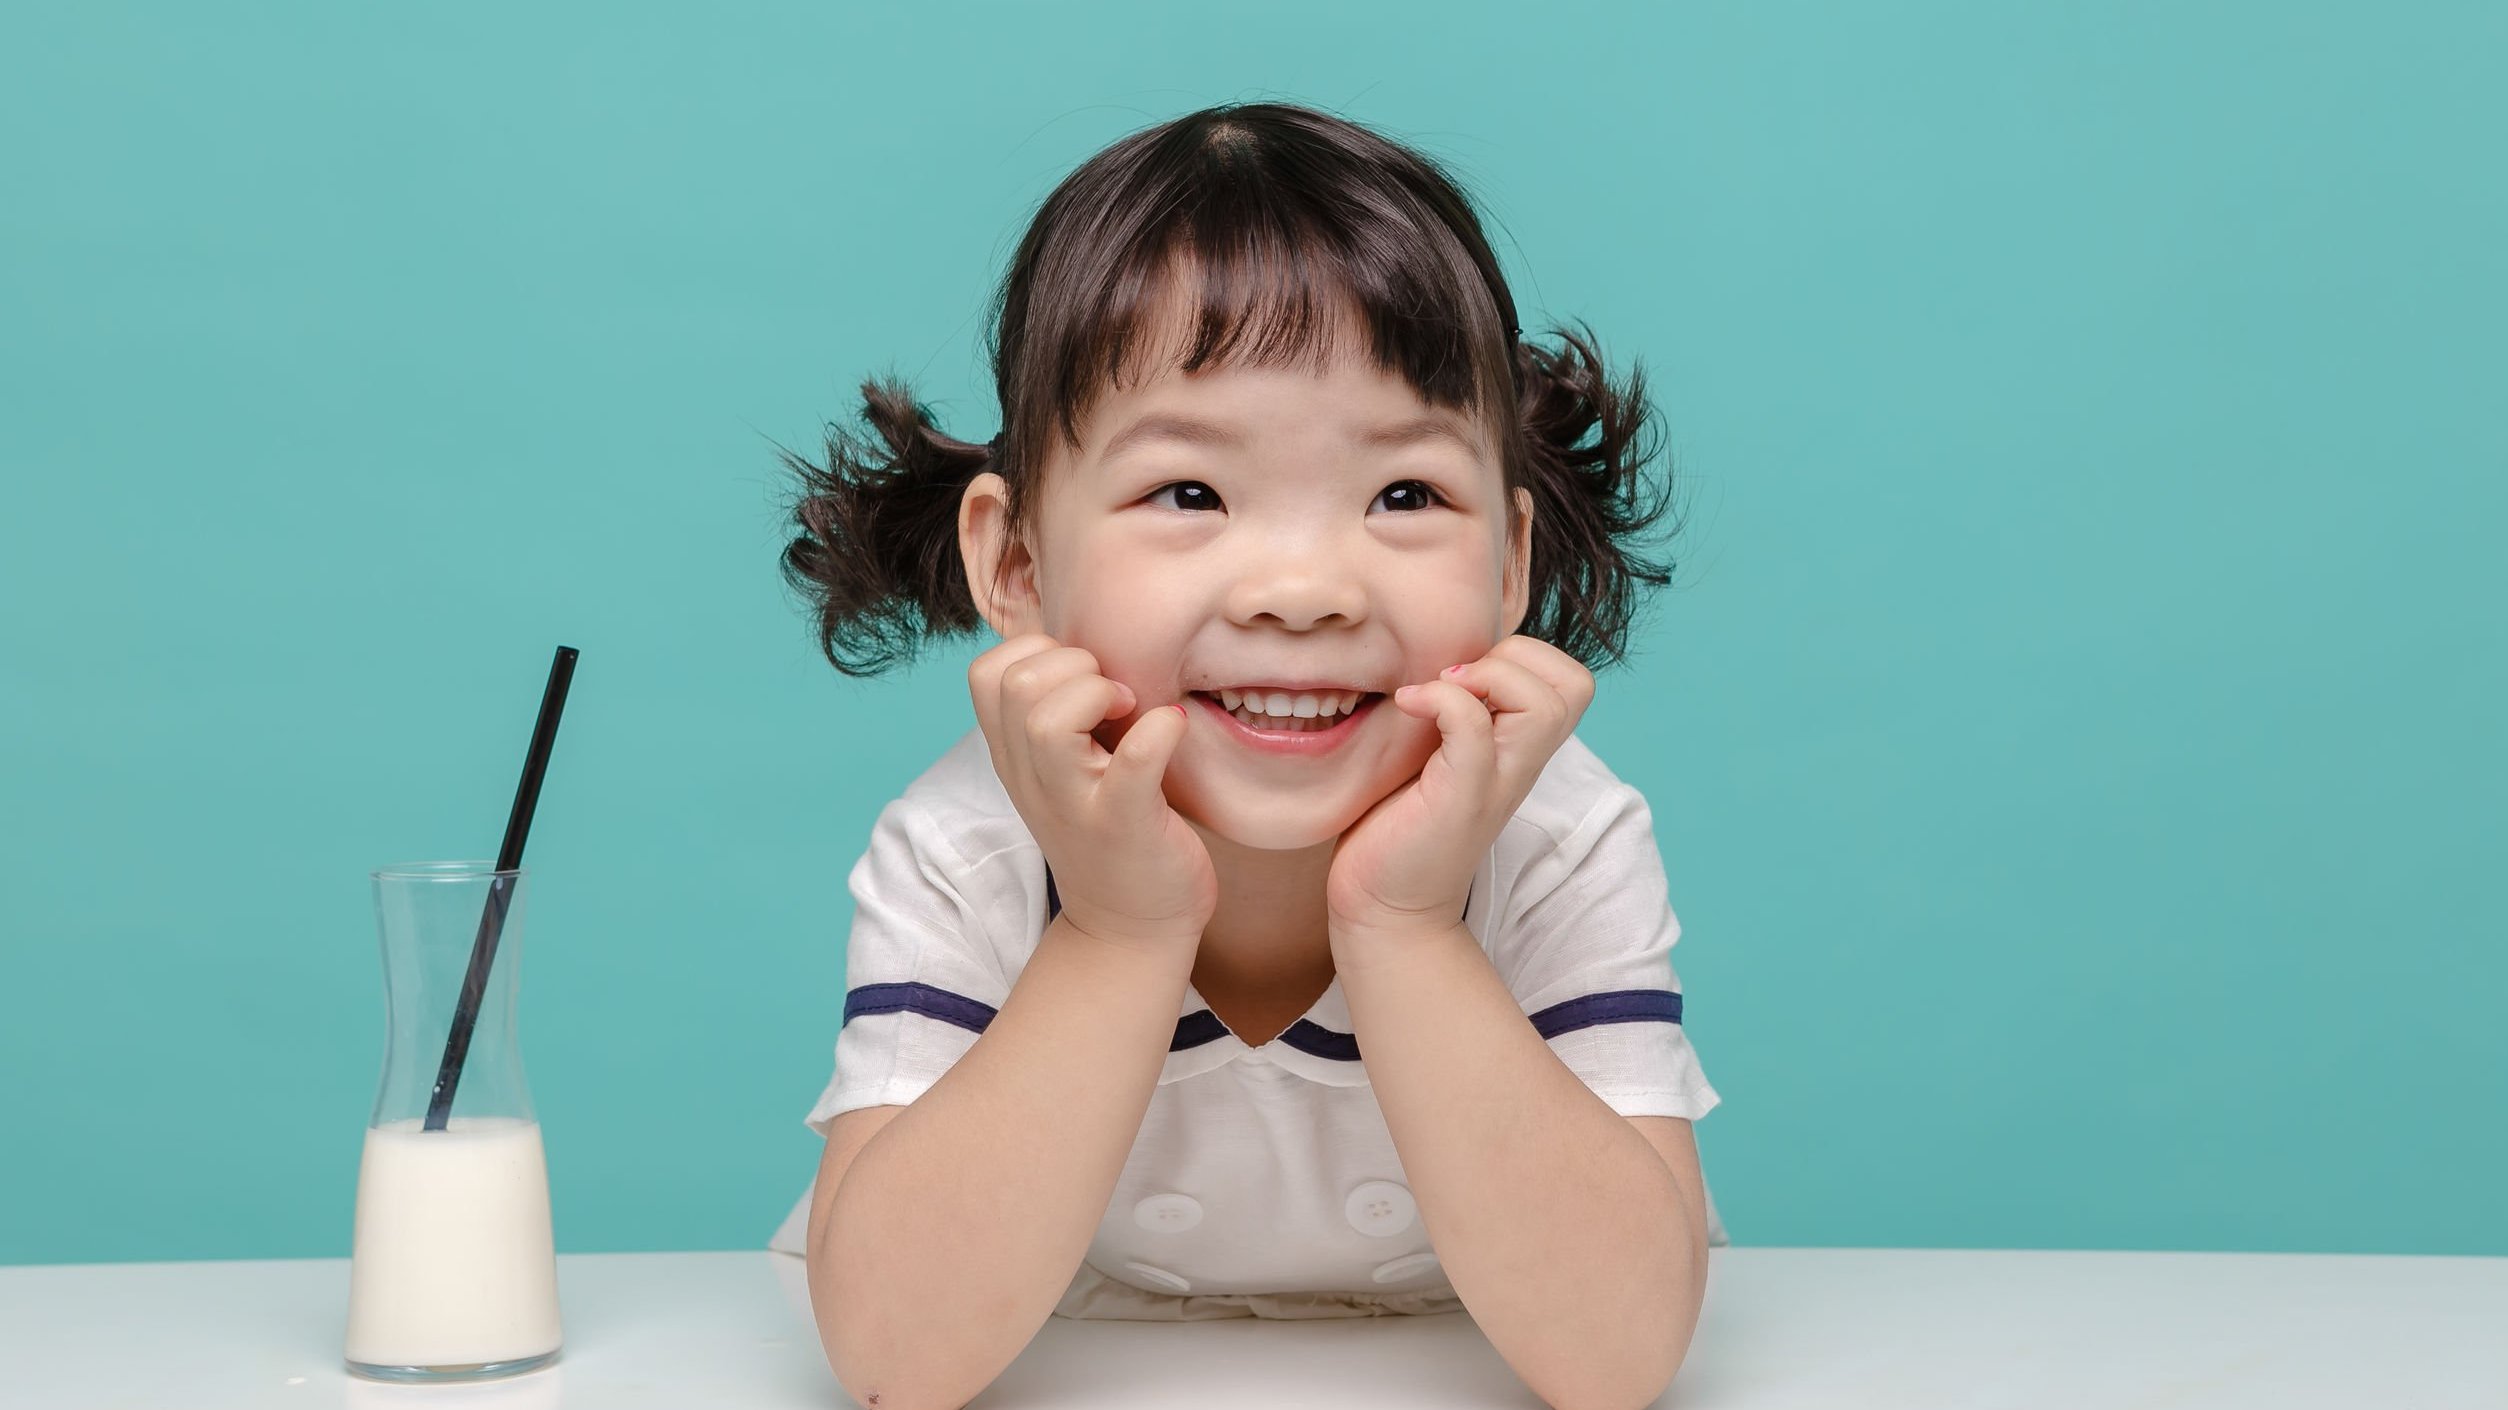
pixel 1271 945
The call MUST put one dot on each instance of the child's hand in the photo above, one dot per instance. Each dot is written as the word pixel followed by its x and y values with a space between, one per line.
pixel 1405 867
pixel 1129 870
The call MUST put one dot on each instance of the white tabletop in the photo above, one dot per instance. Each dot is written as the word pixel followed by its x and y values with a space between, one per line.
pixel 1873 1329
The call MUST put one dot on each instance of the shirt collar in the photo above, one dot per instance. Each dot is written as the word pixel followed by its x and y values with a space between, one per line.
pixel 1318 1046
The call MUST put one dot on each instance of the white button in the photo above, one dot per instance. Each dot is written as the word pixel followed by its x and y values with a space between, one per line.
pixel 1167 1214
pixel 1401 1268
pixel 1160 1276
pixel 1381 1208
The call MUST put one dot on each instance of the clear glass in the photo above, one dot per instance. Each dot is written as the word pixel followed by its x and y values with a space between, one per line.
pixel 453 1273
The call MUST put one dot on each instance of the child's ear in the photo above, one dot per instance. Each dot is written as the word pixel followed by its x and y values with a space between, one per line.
pixel 1001 572
pixel 1519 569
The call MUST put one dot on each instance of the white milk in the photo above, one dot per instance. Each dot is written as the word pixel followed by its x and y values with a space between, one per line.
pixel 453 1263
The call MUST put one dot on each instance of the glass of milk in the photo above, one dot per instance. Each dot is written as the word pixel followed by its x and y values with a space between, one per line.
pixel 453 1274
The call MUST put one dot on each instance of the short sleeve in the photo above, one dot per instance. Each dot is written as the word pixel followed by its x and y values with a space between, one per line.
pixel 923 975
pixel 1587 951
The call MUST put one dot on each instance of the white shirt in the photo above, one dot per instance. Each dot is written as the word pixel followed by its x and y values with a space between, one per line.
pixel 1263 1180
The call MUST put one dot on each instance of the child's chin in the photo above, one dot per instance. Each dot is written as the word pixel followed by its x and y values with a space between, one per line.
pixel 1287 830
pixel 1279 836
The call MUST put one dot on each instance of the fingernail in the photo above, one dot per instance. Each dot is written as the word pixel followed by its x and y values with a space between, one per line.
pixel 1450 670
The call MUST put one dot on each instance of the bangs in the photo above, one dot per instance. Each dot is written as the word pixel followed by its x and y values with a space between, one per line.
pixel 1254 237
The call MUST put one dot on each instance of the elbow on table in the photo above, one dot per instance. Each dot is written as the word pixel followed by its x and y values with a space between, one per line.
pixel 879 1368
pixel 881 1389
pixel 1591 1391
pixel 1629 1380
pixel 873 1379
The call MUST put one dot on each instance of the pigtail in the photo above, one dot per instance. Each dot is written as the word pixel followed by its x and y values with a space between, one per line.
pixel 877 552
pixel 1585 574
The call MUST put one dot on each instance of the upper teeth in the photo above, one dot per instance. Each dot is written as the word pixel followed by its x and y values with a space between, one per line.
pixel 1305 704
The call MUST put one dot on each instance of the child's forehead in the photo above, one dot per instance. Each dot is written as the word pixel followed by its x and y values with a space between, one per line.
pixel 1331 382
pixel 1348 394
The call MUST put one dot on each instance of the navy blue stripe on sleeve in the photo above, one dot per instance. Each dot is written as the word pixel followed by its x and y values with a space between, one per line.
pixel 918 998
pixel 1614 1006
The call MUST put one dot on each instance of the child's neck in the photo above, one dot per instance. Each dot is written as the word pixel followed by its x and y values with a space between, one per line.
pixel 1268 943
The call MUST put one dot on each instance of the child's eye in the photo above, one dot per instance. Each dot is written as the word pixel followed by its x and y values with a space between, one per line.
pixel 1416 492
pixel 1209 496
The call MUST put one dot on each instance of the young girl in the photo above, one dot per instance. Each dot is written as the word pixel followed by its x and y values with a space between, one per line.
pixel 1299 555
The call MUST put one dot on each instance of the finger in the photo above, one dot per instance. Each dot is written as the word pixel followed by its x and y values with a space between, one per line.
pixel 1023 682
pixel 1527 719
pixel 1003 655
pixel 1062 744
pixel 1565 673
pixel 1463 728
pixel 1030 679
pixel 1026 682
pixel 984 688
pixel 1518 699
pixel 984 675
pixel 1139 767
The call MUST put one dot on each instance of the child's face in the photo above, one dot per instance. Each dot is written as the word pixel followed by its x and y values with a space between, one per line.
pixel 1293 564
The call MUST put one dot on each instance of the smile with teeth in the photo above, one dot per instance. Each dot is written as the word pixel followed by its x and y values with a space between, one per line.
pixel 1290 712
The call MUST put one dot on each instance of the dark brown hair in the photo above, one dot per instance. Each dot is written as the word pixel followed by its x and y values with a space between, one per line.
pixel 1275 217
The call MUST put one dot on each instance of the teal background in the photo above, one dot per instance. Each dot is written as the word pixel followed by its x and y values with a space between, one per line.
pixel 2074 738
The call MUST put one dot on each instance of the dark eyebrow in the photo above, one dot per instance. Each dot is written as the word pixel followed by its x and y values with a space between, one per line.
pixel 1191 431
pixel 1417 429
pixel 1168 426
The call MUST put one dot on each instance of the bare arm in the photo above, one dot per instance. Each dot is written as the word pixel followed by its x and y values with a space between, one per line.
pixel 1577 1248
pixel 940 1248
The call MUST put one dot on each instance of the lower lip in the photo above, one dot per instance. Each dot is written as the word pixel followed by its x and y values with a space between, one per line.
pixel 1292 744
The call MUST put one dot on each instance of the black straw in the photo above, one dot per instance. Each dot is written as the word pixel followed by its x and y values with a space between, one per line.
pixel 448 1074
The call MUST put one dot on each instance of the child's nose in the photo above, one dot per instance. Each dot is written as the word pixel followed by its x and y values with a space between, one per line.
pixel 1301 591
